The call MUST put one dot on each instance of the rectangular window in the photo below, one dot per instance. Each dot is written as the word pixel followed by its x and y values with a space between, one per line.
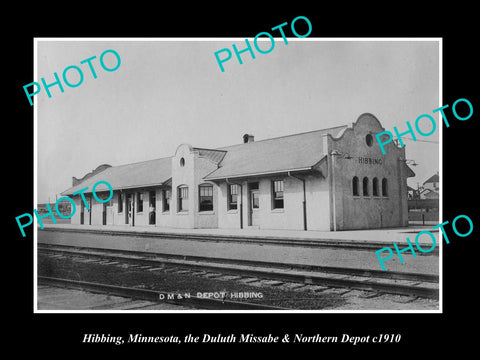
pixel 151 207
pixel 205 197
pixel 151 199
pixel 166 196
pixel 139 202
pixel 277 194
pixel 120 202
pixel 255 200
pixel 232 196
pixel 183 198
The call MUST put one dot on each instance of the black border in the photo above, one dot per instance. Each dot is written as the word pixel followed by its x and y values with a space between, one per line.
pixel 47 333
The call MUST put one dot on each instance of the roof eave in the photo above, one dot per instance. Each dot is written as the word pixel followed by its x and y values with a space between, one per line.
pixel 89 191
pixel 266 173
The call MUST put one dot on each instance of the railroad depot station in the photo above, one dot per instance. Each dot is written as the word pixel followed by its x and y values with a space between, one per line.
pixel 331 179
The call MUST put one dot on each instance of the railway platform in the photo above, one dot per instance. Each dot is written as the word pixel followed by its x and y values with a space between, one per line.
pixel 385 236
pixel 347 249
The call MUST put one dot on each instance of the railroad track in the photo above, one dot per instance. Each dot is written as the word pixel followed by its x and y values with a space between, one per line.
pixel 153 296
pixel 411 284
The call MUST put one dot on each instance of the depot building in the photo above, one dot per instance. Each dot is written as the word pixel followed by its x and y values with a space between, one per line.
pixel 330 179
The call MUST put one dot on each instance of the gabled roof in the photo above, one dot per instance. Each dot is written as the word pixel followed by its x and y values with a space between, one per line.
pixel 140 174
pixel 288 153
pixel 432 179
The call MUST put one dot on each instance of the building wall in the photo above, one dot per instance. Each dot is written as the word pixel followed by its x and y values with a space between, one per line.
pixel 117 218
pixel 191 174
pixel 75 219
pixel 366 212
pixel 164 218
pixel 97 212
pixel 183 175
pixel 330 202
pixel 318 205
pixel 205 219
pixel 228 219
pixel 291 216
pixel 114 217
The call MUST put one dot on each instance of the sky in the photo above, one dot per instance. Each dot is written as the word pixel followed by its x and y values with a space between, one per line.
pixel 168 92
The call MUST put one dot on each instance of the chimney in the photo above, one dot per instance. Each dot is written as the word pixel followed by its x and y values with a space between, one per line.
pixel 247 138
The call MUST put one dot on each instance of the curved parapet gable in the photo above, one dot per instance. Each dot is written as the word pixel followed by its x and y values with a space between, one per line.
pixel 184 147
pixel 366 123
pixel 368 119
pixel 99 169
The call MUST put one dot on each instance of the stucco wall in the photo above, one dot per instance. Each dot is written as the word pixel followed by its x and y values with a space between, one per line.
pixel 291 216
pixel 366 212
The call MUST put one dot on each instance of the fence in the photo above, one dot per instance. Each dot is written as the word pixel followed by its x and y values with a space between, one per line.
pixel 423 218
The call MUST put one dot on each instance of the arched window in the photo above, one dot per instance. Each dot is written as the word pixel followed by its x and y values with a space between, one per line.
pixel 375 187
pixel 355 186
pixel 365 186
pixel 384 187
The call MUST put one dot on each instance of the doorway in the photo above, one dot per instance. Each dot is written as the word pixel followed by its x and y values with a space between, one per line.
pixel 90 210
pixel 104 214
pixel 130 218
pixel 254 204
pixel 82 213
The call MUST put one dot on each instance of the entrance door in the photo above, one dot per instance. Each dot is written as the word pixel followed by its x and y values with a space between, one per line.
pixel 104 214
pixel 131 209
pixel 90 210
pixel 254 204
pixel 254 207
pixel 82 213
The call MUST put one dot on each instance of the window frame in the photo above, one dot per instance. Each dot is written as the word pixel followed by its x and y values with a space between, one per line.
pixel 355 182
pixel 166 200
pixel 139 198
pixel 375 188
pixel 182 198
pixel 154 197
pixel 384 187
pixel 205 187
pixel 365 186
pixel 232 205
pixel 274 195
pixel 120 202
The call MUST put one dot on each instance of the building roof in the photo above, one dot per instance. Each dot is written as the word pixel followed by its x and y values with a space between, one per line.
pixel 430 194
pixel 281 154
pixel 213 154
pixel 141 174
pixel 432 179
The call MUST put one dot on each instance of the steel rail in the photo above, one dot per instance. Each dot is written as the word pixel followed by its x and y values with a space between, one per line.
pixel 358 279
